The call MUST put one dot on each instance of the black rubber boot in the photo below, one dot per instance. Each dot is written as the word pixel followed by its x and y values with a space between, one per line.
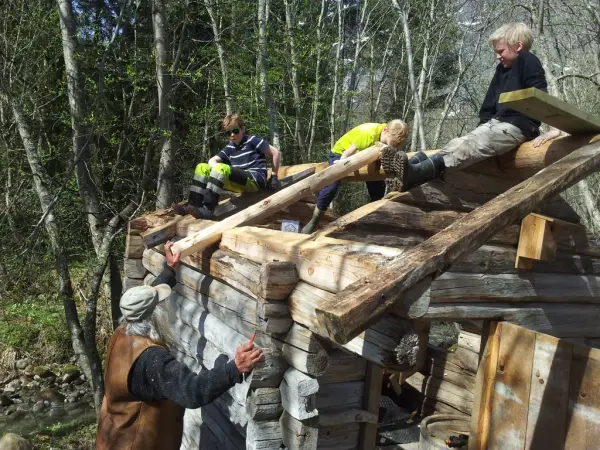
pixel 206 211
pixel 417 158
pixel 180 209
pixel 313 222
pixel 417 174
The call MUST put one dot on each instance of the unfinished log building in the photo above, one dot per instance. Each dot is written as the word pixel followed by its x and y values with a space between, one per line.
pixel 319 387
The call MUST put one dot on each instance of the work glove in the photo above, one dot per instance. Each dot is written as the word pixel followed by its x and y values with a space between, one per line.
pixel 273 183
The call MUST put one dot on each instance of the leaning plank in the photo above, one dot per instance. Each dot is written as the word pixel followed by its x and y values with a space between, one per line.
pixel 371 403
pixel 584 397
pixel 134 246
pixel 359 305
pixel 542 106
pixel 549 394
pixel 278 201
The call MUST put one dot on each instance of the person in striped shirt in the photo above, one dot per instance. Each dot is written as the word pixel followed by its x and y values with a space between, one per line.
pixel 240 167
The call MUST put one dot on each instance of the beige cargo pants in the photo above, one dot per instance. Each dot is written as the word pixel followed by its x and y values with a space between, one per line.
pixel 489 139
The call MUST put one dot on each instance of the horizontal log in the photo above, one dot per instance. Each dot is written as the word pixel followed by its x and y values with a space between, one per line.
pixel 343 366
pixel 359 305
pixel 378 344
pixel 134 246
pixel 129 283
pixel 556 319
pixel 264 404
pixel 431 406
pixel 263 435
pixel 442 391
pixel 415 224
pixel 208 292
pixel 134 268
pixel 226 434
pixel 328 264
pixel 349 416
pixel 273 280
pixel 461 358
pixel 308 435
pixel 524 287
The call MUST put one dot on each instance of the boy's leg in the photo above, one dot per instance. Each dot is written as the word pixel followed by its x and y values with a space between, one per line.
pixel 240 180
pixel 376 189
pixel 197 189
pixel 324 199
pixel 487 140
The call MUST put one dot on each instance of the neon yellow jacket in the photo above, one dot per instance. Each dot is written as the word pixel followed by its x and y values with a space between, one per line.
pixel 363 136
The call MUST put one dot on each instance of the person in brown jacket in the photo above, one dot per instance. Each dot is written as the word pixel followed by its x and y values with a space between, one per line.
pixel 146 388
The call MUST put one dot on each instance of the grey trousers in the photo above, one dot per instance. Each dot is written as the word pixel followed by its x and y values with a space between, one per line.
pixel 489 139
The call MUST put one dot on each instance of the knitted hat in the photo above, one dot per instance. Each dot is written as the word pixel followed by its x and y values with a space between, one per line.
pixel 138 303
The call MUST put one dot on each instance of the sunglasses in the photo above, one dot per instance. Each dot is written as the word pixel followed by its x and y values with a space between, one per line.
pixel 232 131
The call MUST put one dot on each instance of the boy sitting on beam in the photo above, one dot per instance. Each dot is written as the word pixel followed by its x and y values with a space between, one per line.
pixel 240 167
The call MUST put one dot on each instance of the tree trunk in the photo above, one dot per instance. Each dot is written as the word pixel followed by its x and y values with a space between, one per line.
pixel 336 74
pixel 353 82
pixel 221 52
pixel 165 189
pixel 290 21
pixel 263 63
pixel 42 185
pixel 316 97
pixel 81 133
pixel 418 119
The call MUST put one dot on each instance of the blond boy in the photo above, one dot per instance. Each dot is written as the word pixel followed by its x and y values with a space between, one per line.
pixel 500 129
pixel 355 140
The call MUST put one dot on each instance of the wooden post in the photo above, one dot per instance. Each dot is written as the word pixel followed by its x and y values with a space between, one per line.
pixel 373 380
pixel 278 201
pixel 537 241
pixel 360 304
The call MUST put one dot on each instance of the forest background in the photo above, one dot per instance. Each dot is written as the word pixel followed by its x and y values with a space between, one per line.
pixel 107 106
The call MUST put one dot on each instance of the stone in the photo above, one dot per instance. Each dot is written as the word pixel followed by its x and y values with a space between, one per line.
pixel 9 390
pixel 28 371
pixel 11 441
pixel 21 364
pixel 70 377
pixel 24 380
pixel 43 372
pixel 51 396
pixel 5 400
pixel 38 406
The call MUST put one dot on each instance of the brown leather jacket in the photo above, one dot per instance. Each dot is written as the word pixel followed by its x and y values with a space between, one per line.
pixel 126 423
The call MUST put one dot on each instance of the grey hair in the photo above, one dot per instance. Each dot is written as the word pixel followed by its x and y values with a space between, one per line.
pixel 156 327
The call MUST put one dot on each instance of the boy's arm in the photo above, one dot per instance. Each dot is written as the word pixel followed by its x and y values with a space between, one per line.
pixel 214 160
pixel 488 107
pixel 275 154
pixel 349 151
pixel 534 75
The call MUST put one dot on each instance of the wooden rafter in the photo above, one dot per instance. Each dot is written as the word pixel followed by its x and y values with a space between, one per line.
pixel 361 303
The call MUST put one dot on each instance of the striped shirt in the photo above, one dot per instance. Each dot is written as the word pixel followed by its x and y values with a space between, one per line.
pixel 250 156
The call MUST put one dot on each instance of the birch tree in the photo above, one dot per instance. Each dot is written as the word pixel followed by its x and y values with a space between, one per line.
pixel 263 71
pixel 290 21
pixel 217 32
pixel 165 188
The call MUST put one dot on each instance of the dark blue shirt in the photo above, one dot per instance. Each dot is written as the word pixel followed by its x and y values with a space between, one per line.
pixel 250 156
pixel 526 72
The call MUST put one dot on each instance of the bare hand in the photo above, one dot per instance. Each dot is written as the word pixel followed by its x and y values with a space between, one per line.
pixel 172 259
pixel 546 137
pixel 247 356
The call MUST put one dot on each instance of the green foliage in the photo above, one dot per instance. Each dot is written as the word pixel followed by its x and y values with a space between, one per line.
pixel 75 435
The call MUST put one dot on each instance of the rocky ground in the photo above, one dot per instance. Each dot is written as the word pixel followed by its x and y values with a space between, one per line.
pixel 34 397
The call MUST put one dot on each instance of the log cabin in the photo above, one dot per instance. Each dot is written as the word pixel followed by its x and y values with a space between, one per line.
pixel 337 309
